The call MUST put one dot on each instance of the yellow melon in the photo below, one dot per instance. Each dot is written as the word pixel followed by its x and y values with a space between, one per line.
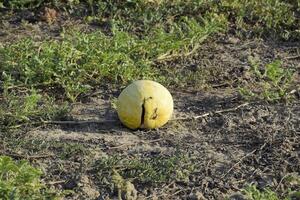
pixel 145 104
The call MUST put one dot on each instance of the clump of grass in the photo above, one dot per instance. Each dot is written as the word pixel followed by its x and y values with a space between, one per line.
pixel 34 4
pixel 153 171
pixel 272 82
pixel 19 180
pixel 262 16
pixel 184 38
pixel 253 193
pixel 20 4
pixel 70 150
pixel 28 108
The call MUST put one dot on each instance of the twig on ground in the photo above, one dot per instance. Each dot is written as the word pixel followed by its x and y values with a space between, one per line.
pixel 241 159
pixel 292 57
pixel 55 182
pixel 27 124
pixel 120 146
pixel 238 162
pixel 281 180
pixel 80 122
pixel 211 113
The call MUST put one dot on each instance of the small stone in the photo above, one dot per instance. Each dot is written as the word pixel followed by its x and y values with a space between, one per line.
pixel 233 40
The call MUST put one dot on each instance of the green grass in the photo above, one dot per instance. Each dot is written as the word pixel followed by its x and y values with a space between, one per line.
pixel 18 143
pixel 19 180
pixel 269 17
pixel 271 82
pixel 252 193
pixel 151 171
pixel 69 150
pixel 80 60
pixel 27 107
pixel 23 4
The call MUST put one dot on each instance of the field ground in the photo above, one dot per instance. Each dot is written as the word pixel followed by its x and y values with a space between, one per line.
pixel 236 127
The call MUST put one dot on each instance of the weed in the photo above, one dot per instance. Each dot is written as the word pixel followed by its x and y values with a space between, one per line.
pixel 184 39
pixel 19 180
pixel 271 13
pixel 253 193
pixel 20 4
pixel 18 143
pixel 273 82
pixel 154 170
pixel 123 186
pixel 67 151
pixel 15 111
pixel 17 5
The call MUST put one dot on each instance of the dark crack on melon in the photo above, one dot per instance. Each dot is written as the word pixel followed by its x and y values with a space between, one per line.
pixel 143 113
